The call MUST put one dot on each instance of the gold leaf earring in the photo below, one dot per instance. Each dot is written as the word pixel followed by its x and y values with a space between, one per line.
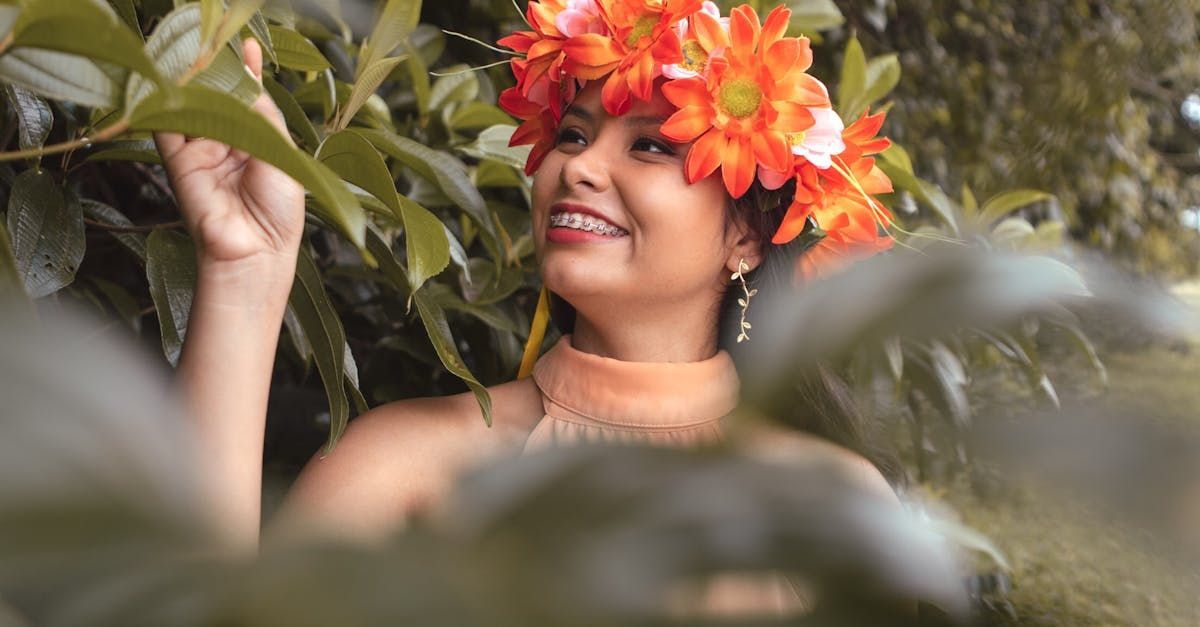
pixel 744 301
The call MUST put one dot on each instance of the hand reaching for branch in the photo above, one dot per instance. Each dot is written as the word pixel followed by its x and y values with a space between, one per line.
pixel 237 207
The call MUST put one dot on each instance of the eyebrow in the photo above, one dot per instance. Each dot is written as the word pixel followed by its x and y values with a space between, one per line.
pixel 627 120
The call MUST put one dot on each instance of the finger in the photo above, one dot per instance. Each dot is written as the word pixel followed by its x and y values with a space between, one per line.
pixel 168 144
pixel 252 53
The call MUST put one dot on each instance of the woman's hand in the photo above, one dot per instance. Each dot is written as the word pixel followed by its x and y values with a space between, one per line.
pixel 238 208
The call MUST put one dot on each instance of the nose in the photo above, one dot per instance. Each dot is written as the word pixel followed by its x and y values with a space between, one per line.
pixel 587 168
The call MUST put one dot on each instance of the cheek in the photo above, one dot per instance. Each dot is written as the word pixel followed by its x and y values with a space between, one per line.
pixel 684 226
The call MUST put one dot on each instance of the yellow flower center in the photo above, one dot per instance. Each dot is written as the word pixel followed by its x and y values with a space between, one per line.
pixel 694 56
pixel 643 27
pixel 740 97
pixel 795 139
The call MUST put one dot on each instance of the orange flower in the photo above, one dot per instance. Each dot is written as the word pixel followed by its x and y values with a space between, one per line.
pixel 826 193
pixel 755 95
pixel 642 40
pixel 836 251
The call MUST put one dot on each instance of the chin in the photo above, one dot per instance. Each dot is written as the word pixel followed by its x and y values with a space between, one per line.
pixel 575 276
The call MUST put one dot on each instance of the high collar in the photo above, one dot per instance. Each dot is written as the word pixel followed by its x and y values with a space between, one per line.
pixel 634 393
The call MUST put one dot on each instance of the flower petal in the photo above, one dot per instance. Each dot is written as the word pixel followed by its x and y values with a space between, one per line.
pixel 781 57
pixel 737 167
pixel 744 29
pixel 687 123
pixel 709 32
pixel 686 92
pixel 589 52
pixel 771 149
pixel 793 117
pixel 641 77
pixel 793 223
pixel 776 25
pixel 615 93
pixel 705 155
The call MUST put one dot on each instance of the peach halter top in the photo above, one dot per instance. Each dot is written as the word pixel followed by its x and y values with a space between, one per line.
pixel 589 398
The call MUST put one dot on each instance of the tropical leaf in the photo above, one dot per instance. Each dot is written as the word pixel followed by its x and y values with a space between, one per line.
pixel 60 76
pixel 139 150
pixel 293 115
pixel 364 87
pixel 1002 204
pixel 34 118
pixel 323 329
pixel 95 32
pixel 461 86
pixel 295 51
pixel 853 84
pixel 438 330
pixel 206 113
pixel 396 22
pixel 171 273
pixel 45 222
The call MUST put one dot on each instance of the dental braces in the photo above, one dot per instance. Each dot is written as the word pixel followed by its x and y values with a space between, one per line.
pixel 606 229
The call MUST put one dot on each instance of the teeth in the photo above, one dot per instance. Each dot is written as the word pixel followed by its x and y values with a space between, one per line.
pixel 584 222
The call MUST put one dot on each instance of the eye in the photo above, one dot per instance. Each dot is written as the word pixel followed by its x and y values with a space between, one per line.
pixel 569 134
pixel 650 144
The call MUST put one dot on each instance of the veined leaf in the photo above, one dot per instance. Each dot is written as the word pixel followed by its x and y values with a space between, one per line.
pixel 206 113
pixel 444 170
pixel 355 159
pixel 1001 205
pixel 364 86
pixel 262 32
pixel 34 118
pixel 492 143
pixel 95 31
pixel 419 75
pixel 460 87
pixel 234 18
pixel 100 212
pixel 295 51
pixel 324 331
pixel 438 330
pixel 474 115
pixel 140 150
pixel 171 272
pixel 210 17
pixel 396 22
pixel 293 114
pixel 175 46
pixel 45 222
pixel 60 76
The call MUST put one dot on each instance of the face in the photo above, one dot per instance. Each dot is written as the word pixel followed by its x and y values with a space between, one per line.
pixel 655 238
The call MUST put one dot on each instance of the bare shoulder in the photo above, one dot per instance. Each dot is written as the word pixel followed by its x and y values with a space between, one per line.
pixel 783 445
pixel 405 455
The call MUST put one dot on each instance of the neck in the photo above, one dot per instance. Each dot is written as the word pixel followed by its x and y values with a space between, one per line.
pixel 648 337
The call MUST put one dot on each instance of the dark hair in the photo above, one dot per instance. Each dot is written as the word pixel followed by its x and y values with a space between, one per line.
pixel 820 401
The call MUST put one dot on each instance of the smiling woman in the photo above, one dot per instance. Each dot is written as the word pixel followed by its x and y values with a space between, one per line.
pixel 651 189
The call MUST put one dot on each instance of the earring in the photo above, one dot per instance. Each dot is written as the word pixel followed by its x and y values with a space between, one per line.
pixel 744 301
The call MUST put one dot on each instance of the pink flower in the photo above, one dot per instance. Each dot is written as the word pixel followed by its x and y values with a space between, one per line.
pixel 580 16
pixel 821 142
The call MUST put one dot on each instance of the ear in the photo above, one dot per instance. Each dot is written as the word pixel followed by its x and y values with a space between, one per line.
pixel 742 243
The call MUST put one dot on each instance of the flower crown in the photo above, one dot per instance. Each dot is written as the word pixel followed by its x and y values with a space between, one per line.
pixel 743 96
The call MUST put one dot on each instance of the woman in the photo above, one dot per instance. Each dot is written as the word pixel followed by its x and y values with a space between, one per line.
pixel 644 285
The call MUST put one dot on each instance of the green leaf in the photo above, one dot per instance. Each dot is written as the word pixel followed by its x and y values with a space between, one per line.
pixel 128 14
pixel 474 115
pixel 175 46
pixel 171 273
pixel 139 150
pixel 811 16
pixel 419 75
pixel 262 32
pixel 45 222
pixel 882 76
pixel 122 301
pixel 295 51
pixel 293 114
pixel 1011 233
pixel 364 87
pixel 34 118
pixel 234 18
pixel 492 143
pixel 462 86
pixel 928 193
pixel 896 155
pixel 853 84
pixel 210 17
pixel 1002 204
pixel 95 32
pixel 60 76
pixel 324 331
pixel 438 330
pixel 397 21
pixel 447 172
pixel 353 157
pixel 100 212
pixel 205 113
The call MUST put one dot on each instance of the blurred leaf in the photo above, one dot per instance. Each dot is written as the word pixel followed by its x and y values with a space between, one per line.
pixel 237 14
pixel 1084 345
pixel 210 18
pixel 419 75
pixel 95 30
pixel 349 154
pixel 811 16
pixel 122 301
pixel 462 86
pixel 171 273
pixel 262 32
pixel 492 143
pixel 882 76
pixel 34 118
pixel 45 222
pixel 11 286
pixel 100 212
pixel 176 45
pixel 853 84
pixel 396 22
pixel 969 205
pixel 293 115
pixel 438 330
pixel 929 194
pixel 323 329
pixel 1011 232
pixel 897 156
pixel 139 150
pixel 1001 205
pixel 128 13
pixel 202 112
pixel 60 76
pixel 473 115
pixel 295 51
